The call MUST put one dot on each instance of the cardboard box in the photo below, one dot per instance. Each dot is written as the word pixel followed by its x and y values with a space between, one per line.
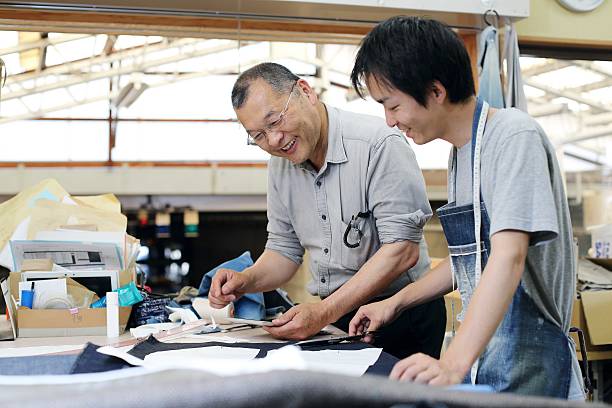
pixel 62 322
pixel 452 302
pixel 603 262
pixel 592 315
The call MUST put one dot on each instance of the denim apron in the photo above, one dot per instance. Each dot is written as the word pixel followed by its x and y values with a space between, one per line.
pixel 527 354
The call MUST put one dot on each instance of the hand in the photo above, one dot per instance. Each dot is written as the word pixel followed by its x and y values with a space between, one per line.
pixel 299 323
pixel 227 286
pixel 423 369
pixel 372 317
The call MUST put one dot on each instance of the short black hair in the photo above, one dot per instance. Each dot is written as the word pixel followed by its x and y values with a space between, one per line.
pixel 279 77
pixel 409 54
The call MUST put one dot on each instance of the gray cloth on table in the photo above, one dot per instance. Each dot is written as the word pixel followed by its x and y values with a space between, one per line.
pixel 186 389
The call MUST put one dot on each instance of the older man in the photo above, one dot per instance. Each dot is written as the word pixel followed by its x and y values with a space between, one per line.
pixel 339 186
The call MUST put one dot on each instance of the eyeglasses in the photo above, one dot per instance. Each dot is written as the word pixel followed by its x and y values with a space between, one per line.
pixel 354 231
pixel 261 135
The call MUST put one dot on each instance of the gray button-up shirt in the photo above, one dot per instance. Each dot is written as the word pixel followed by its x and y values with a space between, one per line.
pixel 368 167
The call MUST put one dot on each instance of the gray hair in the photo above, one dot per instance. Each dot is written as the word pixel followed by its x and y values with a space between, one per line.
pixel 276 75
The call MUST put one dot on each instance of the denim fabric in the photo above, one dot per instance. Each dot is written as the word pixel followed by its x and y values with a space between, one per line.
pixel 249 306
pixel 37 365
pixel 90 361
pixel 489 80
pixel 526 351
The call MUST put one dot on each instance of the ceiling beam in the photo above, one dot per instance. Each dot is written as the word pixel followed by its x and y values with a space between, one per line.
pixel 588 134
pixel 549 66
pixel 109 45
pixel 596 120
pixel 598 106
pixel 138 66
pixel 30 45
pixel 37 114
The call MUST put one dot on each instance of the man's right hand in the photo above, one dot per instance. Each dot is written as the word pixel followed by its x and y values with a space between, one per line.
pixel 227 286
pixel 372 317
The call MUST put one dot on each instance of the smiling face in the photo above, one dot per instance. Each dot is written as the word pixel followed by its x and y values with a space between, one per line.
pixel 296 136
pixel 417 122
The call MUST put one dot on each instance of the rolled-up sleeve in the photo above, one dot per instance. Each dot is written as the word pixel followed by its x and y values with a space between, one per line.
pixel 396 191
pixel 281 235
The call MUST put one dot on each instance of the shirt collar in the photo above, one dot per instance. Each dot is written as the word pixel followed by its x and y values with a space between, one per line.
pixel 335 141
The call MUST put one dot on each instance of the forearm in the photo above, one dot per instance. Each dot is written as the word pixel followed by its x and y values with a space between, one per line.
pixel 435 283
pixel 374 276
pixel 269 272
pixel 487 307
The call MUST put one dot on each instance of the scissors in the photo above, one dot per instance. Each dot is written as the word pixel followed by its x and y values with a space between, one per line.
pixel 334 340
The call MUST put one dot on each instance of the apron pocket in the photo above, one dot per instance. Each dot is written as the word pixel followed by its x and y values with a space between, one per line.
pixel 463 258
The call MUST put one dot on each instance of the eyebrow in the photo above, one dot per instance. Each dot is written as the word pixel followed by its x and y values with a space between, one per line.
pixel 272 112
pixel 265 119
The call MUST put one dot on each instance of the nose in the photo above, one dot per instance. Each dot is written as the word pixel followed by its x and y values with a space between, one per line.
pixel 390 118
pixel 274 137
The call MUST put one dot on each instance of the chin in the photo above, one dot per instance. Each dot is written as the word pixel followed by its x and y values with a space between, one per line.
pixel 419 139
pixel 297 160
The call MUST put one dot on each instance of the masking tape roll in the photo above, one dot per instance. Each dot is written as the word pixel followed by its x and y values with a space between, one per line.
pixel 205 310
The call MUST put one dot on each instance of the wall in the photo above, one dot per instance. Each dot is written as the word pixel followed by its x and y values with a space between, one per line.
pixel 549 22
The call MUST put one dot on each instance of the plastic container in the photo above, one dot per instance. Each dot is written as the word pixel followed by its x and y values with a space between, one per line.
pixel 112 314
pixel 601 241
pixel 27 298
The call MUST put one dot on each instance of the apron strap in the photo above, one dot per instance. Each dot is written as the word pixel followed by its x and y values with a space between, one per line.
pixel 478 125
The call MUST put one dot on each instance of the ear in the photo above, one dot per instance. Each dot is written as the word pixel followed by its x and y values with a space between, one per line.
pixel 307 90
pixel 438 92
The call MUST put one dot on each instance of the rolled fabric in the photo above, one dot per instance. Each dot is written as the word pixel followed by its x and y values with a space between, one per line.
pixel 205 310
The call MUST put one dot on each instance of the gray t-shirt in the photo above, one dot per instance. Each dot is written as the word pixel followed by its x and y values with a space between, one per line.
pixel 522 190
pixel 368 167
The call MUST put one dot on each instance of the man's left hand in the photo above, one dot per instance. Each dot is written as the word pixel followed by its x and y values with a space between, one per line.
pixel 299 323
pixel 423 369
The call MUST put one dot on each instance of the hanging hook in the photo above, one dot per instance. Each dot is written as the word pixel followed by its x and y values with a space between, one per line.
pixel 489 13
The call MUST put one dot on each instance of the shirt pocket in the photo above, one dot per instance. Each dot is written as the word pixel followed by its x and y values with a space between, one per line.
pixel 354 258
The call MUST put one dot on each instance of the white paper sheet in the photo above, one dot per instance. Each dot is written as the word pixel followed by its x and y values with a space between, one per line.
pixel 193 355
pixel 203 338
pixel 348 362
pixel 218 359
pixel 287 360
pixel 72 255
pixel 10 309
pixel 21 232
pixel 180 314
pixel 70 235
pixel 153 328
pixel 37 351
